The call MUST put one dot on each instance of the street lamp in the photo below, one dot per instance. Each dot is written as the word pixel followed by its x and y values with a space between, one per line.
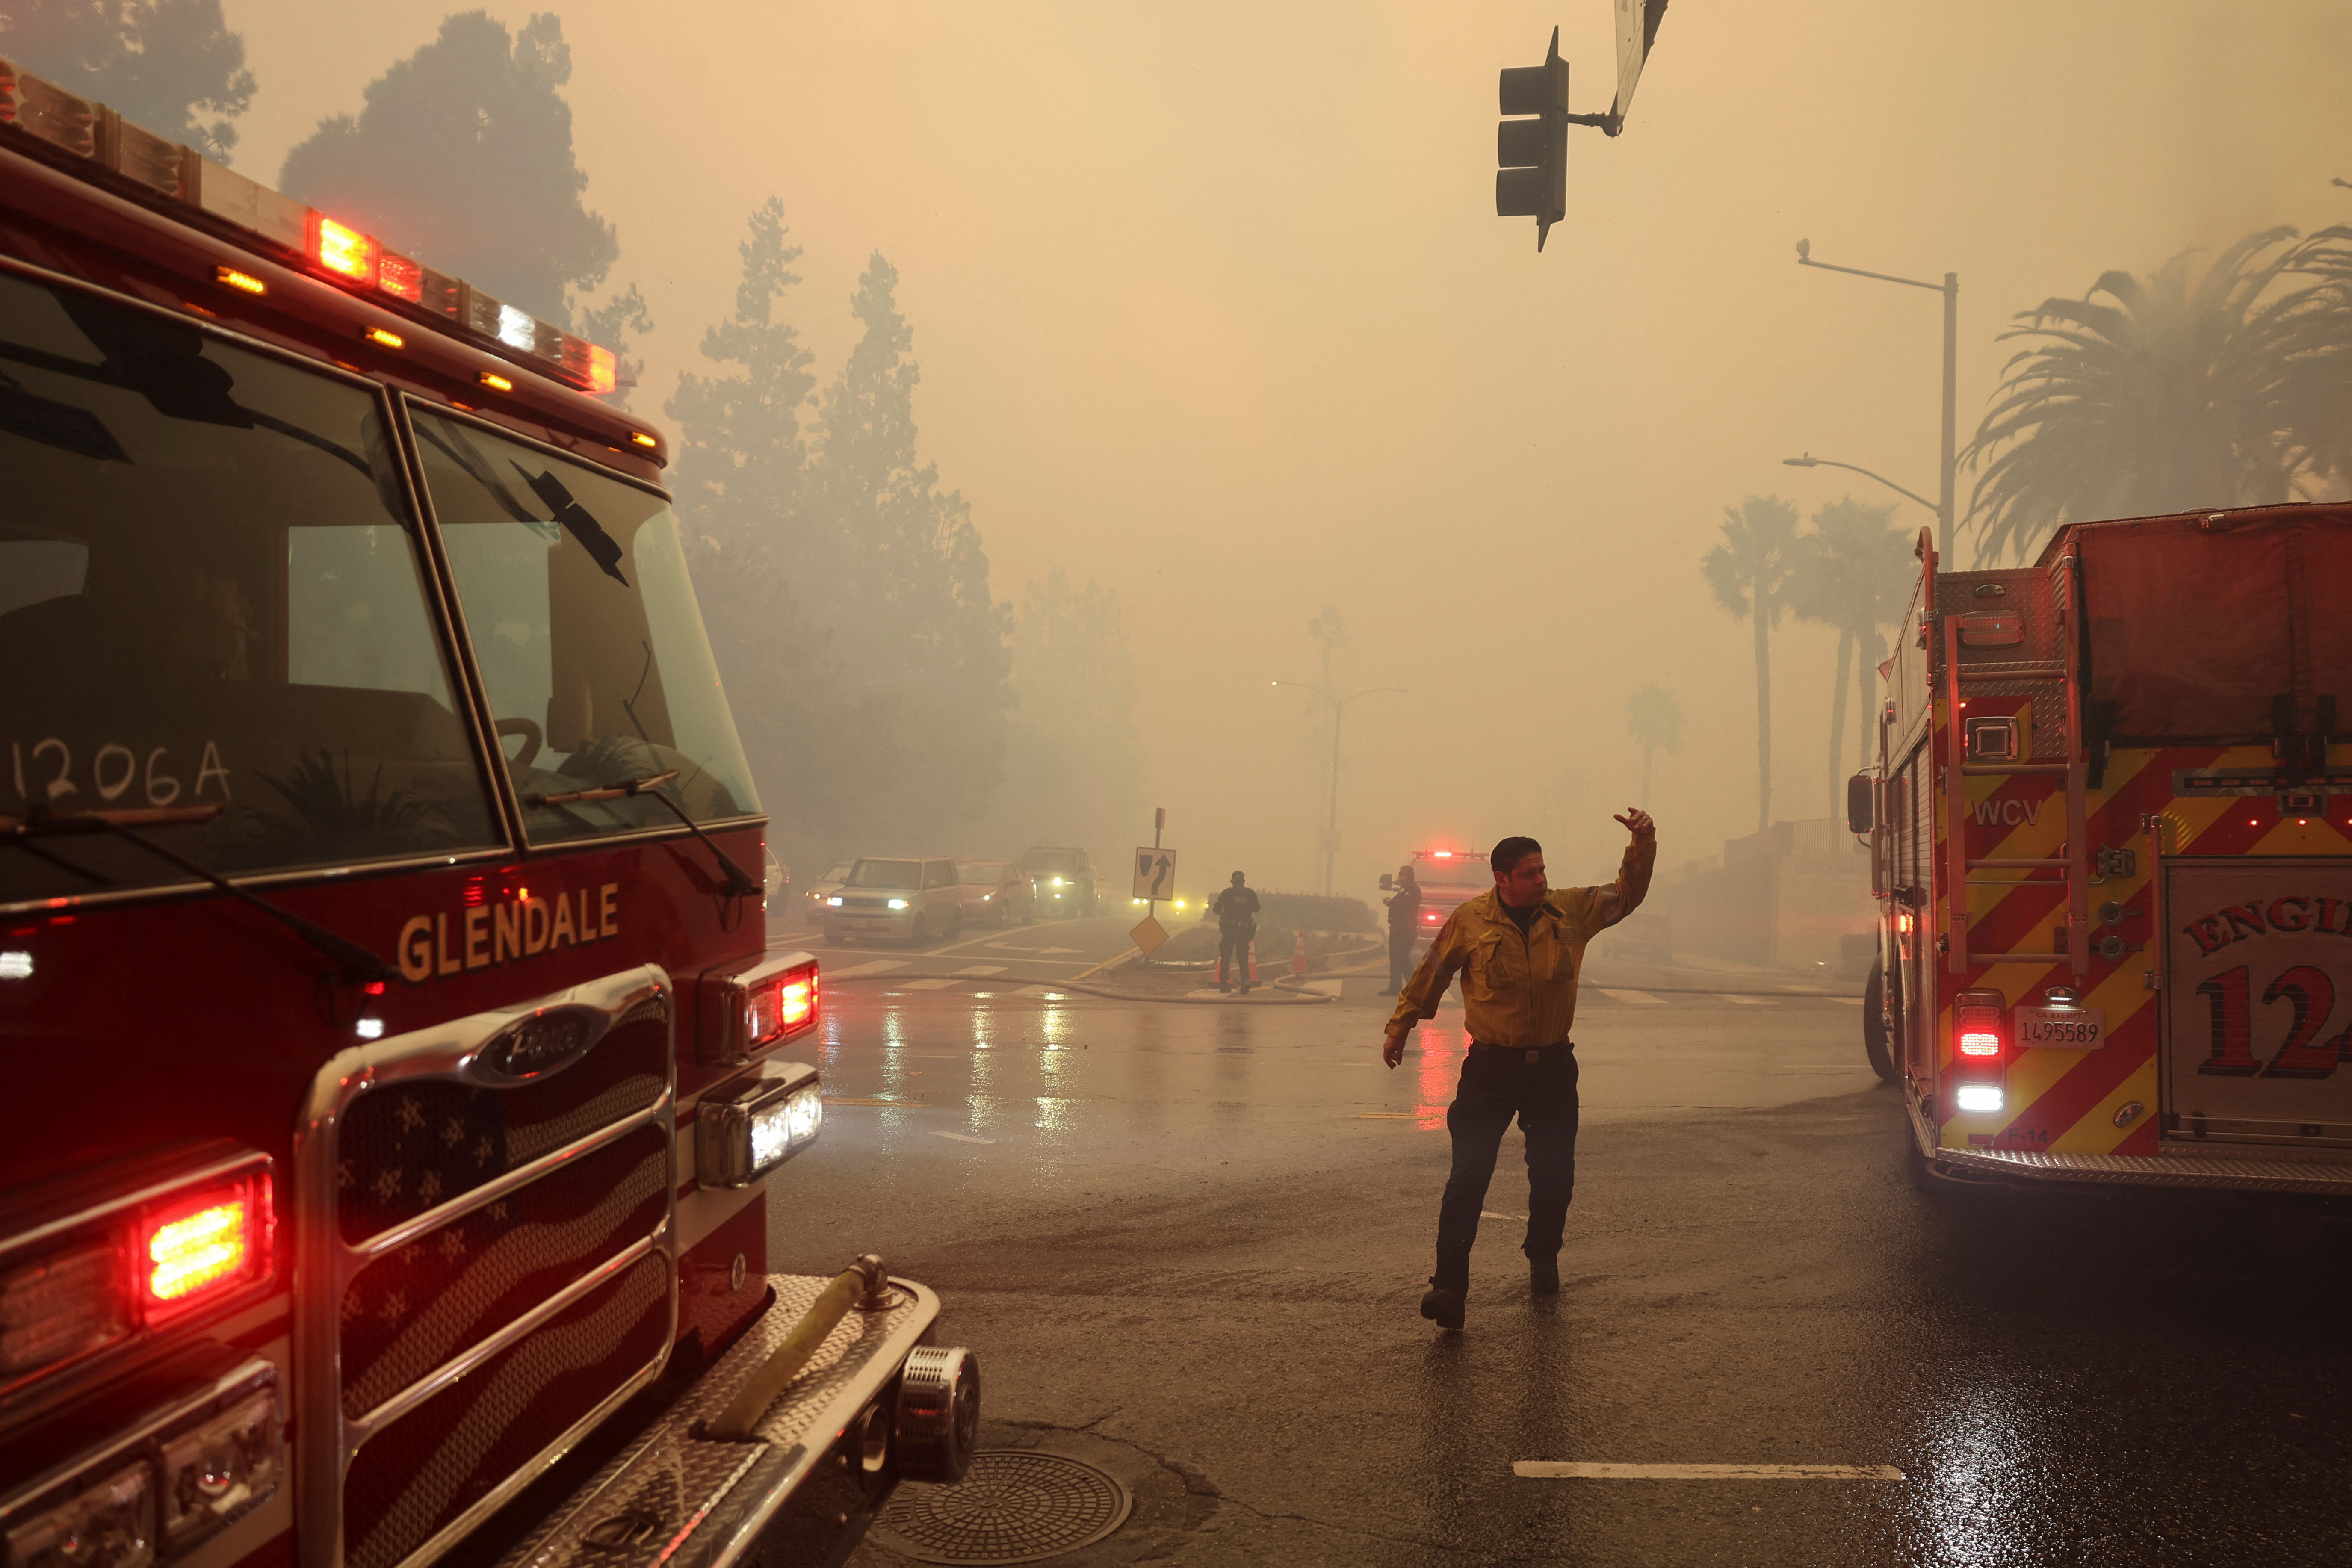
pixel 1950 289
pixel 1339 708
pixel 1810 461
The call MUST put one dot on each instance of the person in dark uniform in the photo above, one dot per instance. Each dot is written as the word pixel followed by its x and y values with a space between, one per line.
pixel 1518 949
pixel 1236 913
pixel 1404 918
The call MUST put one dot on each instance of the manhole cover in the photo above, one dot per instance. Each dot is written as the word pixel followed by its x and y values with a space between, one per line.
pixel 1012 1506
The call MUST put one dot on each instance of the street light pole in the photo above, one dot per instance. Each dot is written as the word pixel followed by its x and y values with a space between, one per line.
pixel 1339 710
pixel 1950 289
pixel 1810 461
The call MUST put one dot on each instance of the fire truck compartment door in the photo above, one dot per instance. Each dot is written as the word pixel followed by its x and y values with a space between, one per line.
pixel 2257 1000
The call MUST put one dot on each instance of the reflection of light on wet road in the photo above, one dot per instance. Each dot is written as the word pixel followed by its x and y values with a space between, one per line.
pixel 1440 1063
pixel 1984 1466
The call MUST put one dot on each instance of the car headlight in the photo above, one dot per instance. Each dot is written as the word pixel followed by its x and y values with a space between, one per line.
pixel 834 900
pixel 1058 881
pixel 985 897
pixel 897 903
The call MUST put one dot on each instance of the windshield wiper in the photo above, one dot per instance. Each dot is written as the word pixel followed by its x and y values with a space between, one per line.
pixel 358 965
pixel 739 881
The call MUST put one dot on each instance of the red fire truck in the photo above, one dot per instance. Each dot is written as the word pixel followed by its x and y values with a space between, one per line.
pixel 2111 827
pixel 1448 878
pixel 396 1059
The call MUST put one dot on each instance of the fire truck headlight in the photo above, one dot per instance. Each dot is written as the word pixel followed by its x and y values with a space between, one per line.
pixel 1978 1097
pixel 108 1525
pixel 221 1470
pixel 744 1129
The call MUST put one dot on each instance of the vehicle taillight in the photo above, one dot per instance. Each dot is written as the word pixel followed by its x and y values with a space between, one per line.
pixel 1981 1049
pixel 342 249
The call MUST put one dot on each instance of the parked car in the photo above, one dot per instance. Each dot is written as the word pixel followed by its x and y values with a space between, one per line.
pixel 995 892
pixel 813 904
pixel 1061 880
pixel 894 896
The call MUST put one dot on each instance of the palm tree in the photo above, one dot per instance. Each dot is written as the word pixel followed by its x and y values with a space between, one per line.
pixel 2191 388
pixel 1654 717
pixel 1855 574
pixel 1749 573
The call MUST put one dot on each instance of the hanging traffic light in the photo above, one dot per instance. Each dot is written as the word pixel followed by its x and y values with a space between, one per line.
pixel 1531 154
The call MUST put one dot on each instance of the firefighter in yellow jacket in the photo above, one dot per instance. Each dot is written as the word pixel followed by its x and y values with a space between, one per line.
pixel 1518 948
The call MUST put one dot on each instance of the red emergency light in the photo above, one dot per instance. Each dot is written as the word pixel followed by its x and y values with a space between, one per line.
pixel 1981 1051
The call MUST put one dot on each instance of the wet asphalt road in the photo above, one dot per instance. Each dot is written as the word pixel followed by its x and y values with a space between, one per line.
pixel 1188 1242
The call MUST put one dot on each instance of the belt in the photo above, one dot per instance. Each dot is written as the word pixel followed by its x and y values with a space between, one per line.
pixel 1534 1053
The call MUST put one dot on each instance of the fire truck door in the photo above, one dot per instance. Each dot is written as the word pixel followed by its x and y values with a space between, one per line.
pixel 2257 1000
pixel 1911 800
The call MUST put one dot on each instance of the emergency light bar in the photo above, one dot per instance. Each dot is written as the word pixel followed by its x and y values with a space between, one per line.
pixel 34 107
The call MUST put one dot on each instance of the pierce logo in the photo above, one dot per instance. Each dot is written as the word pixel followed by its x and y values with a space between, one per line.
pixel 524 926
pixel 2295 915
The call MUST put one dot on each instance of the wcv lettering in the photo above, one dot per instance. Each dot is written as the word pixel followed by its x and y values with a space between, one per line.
pixel 521 926
pixel 2008 812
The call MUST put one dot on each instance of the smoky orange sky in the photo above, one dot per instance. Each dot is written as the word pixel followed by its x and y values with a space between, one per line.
pixel 1211 306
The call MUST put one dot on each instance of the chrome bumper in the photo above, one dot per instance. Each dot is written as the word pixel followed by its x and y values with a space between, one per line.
pixel 2231 1173
pixel 681 1500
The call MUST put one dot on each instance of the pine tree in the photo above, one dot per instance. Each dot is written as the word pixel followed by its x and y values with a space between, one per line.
pixel 170 66
pixel 462 159
pixel 1074 762
pixel 904 575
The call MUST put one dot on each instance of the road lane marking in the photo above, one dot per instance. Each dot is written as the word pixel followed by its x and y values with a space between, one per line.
pixel 1490 1214
pixel 1386 1115
pixel 1024 947
pixel 1848 1001
pixel 878 966
pixel 1632 996
pixel 934 984
pixel 1573 1470
pixel 1749 1001
pixel 982 968
pixel 963 1137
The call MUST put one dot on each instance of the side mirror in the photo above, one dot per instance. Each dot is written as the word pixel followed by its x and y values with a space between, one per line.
pixel 1388 881
pixel 1861 803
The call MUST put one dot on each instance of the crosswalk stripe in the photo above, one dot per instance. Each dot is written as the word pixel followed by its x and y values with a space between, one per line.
pixel 1632 996
pixel 878 966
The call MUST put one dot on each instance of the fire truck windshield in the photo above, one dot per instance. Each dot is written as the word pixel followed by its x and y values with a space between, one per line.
pixel 575 594
pixel 211 594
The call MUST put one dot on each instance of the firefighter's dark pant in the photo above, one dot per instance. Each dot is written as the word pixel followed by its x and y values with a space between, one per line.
pixel 1399 958
pixel 1233 957
pixel 1496 1085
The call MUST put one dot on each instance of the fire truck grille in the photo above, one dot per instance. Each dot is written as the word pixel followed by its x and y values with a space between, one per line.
pixel 409 1311
pixel 412 1145
pixel 416 1476
pixel 496 1265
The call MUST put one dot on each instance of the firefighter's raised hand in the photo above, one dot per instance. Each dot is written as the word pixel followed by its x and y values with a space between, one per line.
pixel 1392 1049
pixel 1637 821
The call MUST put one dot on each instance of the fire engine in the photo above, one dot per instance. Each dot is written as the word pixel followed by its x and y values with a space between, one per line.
pixel 397 1063
pixel 2111 835
pixel 1448 878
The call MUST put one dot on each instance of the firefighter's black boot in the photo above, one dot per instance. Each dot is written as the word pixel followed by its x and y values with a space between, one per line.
pixel 1443 1307
pixel 1543 1276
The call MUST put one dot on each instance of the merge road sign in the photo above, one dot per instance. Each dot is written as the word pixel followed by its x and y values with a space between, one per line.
pixel 1155 872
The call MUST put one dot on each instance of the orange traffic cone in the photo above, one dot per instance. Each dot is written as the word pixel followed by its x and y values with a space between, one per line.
pixel 1299 955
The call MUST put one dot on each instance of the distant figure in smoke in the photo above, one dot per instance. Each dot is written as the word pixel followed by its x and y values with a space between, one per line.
pixel 1404 918
pixel 1236 913
pixel 1518 949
